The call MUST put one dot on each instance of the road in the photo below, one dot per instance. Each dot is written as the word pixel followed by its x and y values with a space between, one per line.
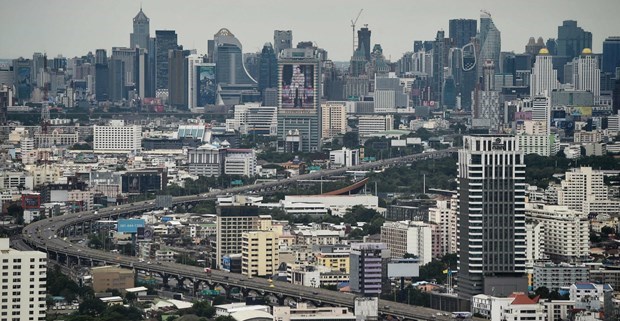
pixel 43 235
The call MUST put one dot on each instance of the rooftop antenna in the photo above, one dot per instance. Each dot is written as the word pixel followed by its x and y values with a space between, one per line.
pixel 353 22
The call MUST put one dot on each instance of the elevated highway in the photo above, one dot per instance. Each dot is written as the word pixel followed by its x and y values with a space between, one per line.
pixel 47 235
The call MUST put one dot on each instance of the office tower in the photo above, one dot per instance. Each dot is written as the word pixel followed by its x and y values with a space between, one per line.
pixel 372 124
pixel 408 237
pixel 268 69
pixel 461 31
pixel 102 82
pixel 121 71
pixel 541 111
pixel 586 74
pixel 363 42
pixel 611 55
pixel 533 47
pixel 490 40
pixel 177 79
pixel 165 40
pixel 469 66
pixel 206 86
pixel 282 39
pixel 23 83
pixel 6 97
pixel 449 93
pixel 357 65
pixel 491 218
pixel 439 51
pixel 334 121
pixel 228 59
pixel 191 65
pixel 251 61
pixel 552 46
pixel 232 221
pixel 367 267
pixel 572 39
pixel 101 57
pixel 259 253
pixel 141 71
pixel 140 35
pixel 487 103
pixel 23 287
pixel 38 65
pixel 299 86
pixel 544 78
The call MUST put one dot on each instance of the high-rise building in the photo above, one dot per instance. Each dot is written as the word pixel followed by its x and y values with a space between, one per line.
pixel 268 68
pixel 116 80
pixel 440 55
pixel 586 74
pixel 611 55
pixel 363 42
pixel 581 186
pixel 282 39
pixel 299 85
pixel 232 221
pixel 544 79
pixel 372 124
pixel 228 59
pixel 490 40
pixel 259 253
pixel 461 31
pixel 177 78
pixel 199 76
pixel 408 237
pixel 165 40
pixel 334 121
pixel 533 47
pixel 141 71
pixel 572 39
pixel 23 287
pixel 367 267
pixel 117 137
pixel 140 35
pixel 487 106
pixel 491 216
pixel 444 215
pixel 22 69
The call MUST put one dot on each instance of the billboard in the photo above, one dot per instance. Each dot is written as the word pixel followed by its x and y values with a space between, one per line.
pixel 403 268
pixel 129 225
pixel 298 87
pixel 31 201
pixel 206 85
pixel 226 263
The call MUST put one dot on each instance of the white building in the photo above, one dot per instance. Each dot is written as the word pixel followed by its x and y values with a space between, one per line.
pixel 240 162
pixel 372 124
pixel 338 204
pixel 445 217
pixel 411 237
pixel 535 244
pixel 588 292
pixel 544 78
pixel 23 285
pixel 516 307
pixel 580 186
pixel 205 160
pixel 345 157
pixel 252 118
pixel 303 312
pixel 117 138
pixel 586 74
pixel 228 309
pixel 557 276
pixel 334 119
pixel 566 232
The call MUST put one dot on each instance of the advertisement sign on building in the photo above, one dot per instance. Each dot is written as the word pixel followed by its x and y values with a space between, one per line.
pixel 298 88
pixel 129 225
pixel 206 85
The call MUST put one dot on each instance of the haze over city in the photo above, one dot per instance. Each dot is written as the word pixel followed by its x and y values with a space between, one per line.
pixel 73 27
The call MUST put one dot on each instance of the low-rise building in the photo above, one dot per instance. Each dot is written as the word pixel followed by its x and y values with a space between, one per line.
pixel 303 312
pixel 408 237
pixel 556 276
pixel 111 277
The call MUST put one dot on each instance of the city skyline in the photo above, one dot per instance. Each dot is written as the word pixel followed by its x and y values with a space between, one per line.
pixel 330 29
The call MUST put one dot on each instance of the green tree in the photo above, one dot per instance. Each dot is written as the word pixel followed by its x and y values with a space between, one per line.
pixel 542 291
pixel 202 309
pixel 607 230
pixel 350 140
pixel 225 318
pixel 92 306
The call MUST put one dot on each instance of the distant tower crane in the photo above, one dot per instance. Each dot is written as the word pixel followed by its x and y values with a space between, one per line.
pixel 353 22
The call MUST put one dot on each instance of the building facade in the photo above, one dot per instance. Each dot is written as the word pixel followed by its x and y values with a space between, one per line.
pixel 408 237
pixel 367 268
pixel 259 253
pixel 117 138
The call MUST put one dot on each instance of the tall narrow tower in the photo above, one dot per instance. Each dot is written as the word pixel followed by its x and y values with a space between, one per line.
pixel 544 78
pixel 140 35
pixel 491 216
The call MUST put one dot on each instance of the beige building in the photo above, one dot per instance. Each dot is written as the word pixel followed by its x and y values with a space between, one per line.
pixel 111 277
pixel 337 261
pixel 259 253
pixel 445 217
pixel 580 186
pixel 23 283
pixel 334 119
pixel 566 232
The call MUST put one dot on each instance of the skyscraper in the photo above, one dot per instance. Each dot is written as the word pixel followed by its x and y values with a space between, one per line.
pixel 611 54
pixel 490 41
pixel 165 40
pixel 141 71
pixel 439 51
pixel 363 42
pixel 228 59
pixel 544 78
pixel 268 68
pixel 177 78
pixel 487 103
pixel 586 74
pixel 461 31
pixel 491 216
pixel 282 39
pixel 299 115
pixel 140 35
pixel 23 83
pixel 572 39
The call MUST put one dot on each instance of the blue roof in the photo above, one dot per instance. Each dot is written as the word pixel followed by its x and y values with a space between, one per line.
pixel 585 286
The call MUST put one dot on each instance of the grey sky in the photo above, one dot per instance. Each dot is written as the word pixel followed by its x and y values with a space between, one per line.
pixel 74 27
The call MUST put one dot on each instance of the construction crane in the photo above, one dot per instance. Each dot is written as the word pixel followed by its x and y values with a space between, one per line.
pixel 353 22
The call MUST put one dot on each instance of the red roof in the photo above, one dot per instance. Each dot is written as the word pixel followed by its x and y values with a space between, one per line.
pixel 524 299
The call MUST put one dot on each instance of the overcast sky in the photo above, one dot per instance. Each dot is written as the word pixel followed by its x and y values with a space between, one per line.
pixel 74 27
